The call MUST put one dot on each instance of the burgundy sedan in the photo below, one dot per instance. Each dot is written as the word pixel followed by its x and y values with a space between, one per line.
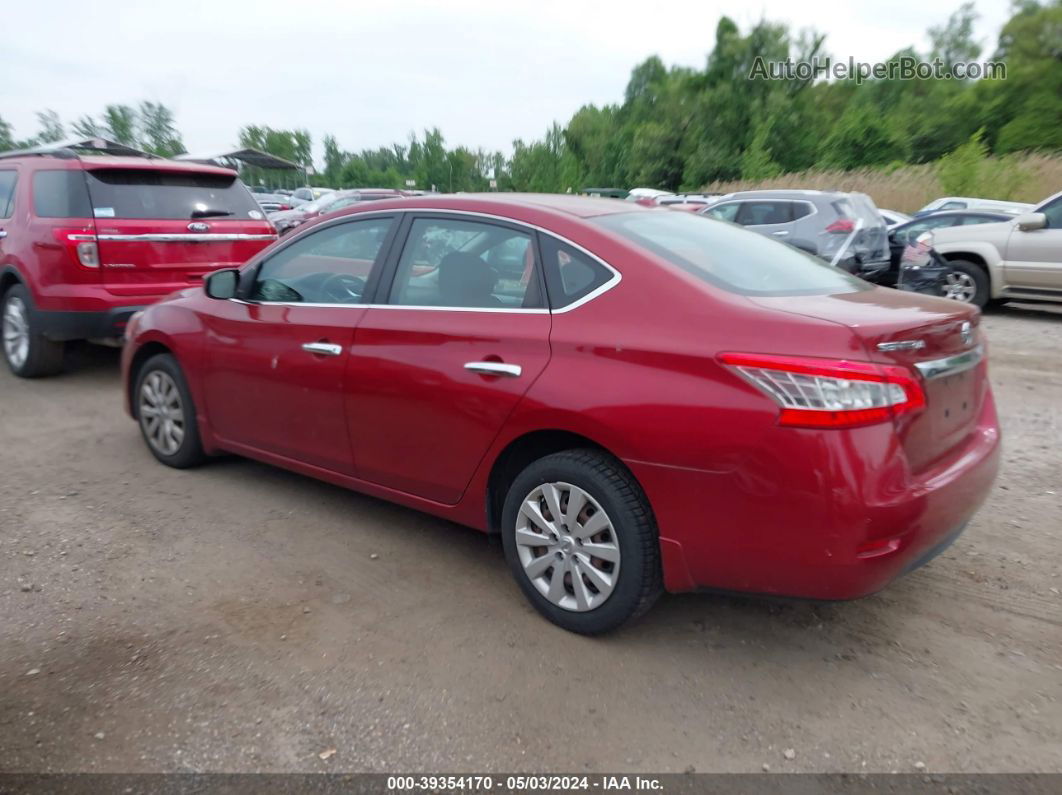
pixel 637 400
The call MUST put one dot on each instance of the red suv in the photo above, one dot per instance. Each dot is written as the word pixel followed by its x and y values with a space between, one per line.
pixel 86 240
pixel 634 398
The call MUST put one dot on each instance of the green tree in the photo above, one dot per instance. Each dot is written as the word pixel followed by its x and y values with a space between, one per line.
pixel 51 125
pixel 953 41
pixel 7 136
pixel 88 127
pixel 158 130
pixel 120 123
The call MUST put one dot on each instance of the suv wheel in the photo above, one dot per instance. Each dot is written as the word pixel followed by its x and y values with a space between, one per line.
pixel 166 413
pixel 966 282
pixel 581 541
pixel 29 353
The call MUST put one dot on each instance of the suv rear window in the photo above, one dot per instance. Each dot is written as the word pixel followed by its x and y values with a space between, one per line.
pixel 730 257
pixel 168 195
pixel 60 194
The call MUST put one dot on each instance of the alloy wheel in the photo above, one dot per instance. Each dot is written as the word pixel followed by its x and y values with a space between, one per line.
pixel 16 332
pixel 959 286
pixel 567 546
pixel 161 412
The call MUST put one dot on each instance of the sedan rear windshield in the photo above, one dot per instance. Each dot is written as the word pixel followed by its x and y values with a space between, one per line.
pixel 728 256
pixel 168 195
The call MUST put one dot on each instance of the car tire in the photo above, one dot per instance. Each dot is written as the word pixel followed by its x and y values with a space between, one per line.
pixel 166 413
pixel 28 353
pixel 594 594
pixel 967 282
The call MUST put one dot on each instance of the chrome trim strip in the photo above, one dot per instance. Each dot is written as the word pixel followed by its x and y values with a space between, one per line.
pixel 186 238
pixel 515 310
pixel 902 345
pixel 617 277
pixel 950 365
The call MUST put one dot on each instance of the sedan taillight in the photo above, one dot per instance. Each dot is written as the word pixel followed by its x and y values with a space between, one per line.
pixel 830 393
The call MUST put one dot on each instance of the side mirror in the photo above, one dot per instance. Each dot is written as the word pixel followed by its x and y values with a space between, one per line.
pixel 222 284
pixel 1030 222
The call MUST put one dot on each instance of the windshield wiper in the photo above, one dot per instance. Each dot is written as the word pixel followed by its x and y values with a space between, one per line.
pixel 208 213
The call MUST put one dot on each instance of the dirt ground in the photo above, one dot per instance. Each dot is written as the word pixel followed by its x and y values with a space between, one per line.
pixel 241 618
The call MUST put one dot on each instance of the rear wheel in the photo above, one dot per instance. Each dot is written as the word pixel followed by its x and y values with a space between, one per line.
pixel 29 353
pixel 581 541
pixel 166 413
pixel 966 282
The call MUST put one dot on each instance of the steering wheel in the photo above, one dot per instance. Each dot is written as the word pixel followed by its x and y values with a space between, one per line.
pixel 344 288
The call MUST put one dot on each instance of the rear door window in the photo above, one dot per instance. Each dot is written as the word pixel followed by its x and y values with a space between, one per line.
pixel 135 193
pixel 761 213
pixel 8 179
pixel 61 194
pixel 801 210
pixel 458 263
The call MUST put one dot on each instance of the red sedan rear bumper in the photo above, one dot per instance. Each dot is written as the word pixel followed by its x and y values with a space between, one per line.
pixel 839 520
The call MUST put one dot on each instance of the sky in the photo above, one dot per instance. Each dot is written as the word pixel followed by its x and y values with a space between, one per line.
pixel 484 72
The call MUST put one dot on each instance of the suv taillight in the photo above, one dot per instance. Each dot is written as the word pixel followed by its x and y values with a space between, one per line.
pixel 830 393
pixel 82 246
pixel 842 226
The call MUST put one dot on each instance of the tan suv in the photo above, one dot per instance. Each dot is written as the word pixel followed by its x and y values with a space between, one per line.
pixel 1019 258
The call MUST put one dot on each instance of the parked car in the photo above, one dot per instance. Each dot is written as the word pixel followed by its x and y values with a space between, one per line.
pixel 274 202
pixel 769 424
pixel 86 240
pixel 844 229
pixel 1017 258
pixel 906 234
pixel 311 194
pixel 285 221
pixel 646 196
pixel 608 193
pixel 893 218
pixel 690 202
pixel 968 203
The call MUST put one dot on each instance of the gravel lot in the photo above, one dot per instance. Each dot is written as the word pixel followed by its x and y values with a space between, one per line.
pixel 238 618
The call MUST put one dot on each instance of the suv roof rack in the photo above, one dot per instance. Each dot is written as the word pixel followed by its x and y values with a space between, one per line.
pixel 72 146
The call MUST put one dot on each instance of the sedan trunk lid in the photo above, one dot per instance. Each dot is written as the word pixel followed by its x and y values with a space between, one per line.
pixel 937 339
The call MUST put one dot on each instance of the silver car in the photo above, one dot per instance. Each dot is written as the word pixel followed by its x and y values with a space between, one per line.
pixel 845 229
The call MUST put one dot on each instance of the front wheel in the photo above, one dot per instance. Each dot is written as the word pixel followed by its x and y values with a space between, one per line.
pixel 166 413
pixel 966 282
pixel 581 541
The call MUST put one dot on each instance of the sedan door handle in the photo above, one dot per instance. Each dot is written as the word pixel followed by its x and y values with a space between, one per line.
pixel 494 368
pixel 323 348
pixel 3 233
pixel 781 233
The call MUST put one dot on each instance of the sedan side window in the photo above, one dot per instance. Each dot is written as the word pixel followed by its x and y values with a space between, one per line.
pixel 570 274
pixel 724 212
pixel 458 263
pixel 911 233
pixel 330 266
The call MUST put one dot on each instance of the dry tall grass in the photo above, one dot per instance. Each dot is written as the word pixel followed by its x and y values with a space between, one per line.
pixel 907 188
